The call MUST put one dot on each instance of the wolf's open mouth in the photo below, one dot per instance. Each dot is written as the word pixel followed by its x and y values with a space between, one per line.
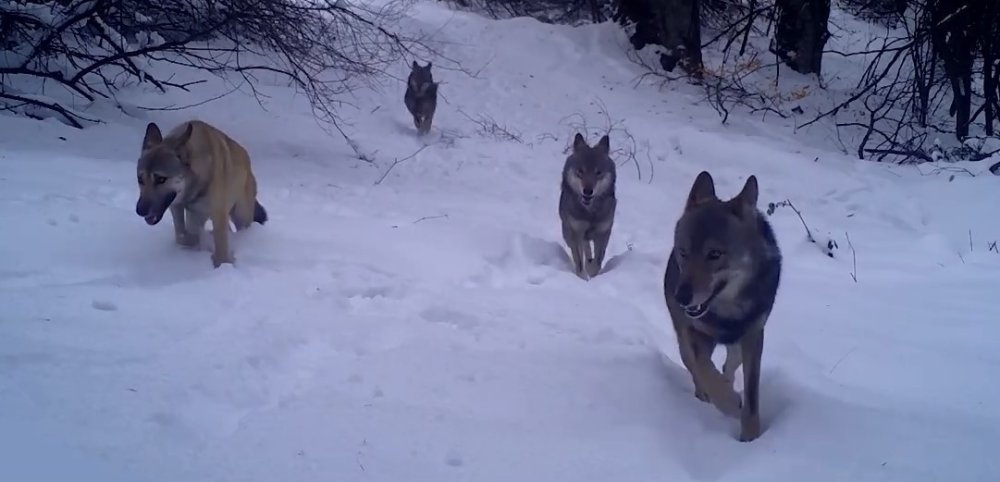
pixel 586 200
pixel 697 311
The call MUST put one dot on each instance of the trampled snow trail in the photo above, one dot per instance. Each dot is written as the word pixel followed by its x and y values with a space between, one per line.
pixel 428 327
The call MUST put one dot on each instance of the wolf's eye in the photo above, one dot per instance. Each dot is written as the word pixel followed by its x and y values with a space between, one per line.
pixel 598 173
pixel 159 179
pixel 683 253
pixel 714 255
pixel 141 182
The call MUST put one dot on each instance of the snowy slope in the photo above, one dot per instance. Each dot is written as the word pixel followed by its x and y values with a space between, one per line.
pixel 428 328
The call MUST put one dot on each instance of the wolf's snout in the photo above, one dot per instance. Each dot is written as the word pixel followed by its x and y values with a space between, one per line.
pixel 683 294
pixel 142 207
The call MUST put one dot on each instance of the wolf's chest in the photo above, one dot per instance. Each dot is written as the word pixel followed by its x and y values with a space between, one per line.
pixel 197 203
pixel 723 330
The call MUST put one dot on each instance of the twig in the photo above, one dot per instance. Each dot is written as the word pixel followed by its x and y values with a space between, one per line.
pixel 626 153
pixel 196 104
pixel 854 256
pixel 71 118
pixel 489 127
pixel 770 210
pixel 425 218
pixel 396 162
pixel 835 365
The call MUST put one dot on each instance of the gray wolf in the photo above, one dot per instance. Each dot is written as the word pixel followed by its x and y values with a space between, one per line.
pixel 587 203
pixel 720 285
pixel 421 96
pixel 200 173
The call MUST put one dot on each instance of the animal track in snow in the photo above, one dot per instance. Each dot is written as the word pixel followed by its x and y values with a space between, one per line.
pixel 103 305
pixel 453 459
pixel 444 315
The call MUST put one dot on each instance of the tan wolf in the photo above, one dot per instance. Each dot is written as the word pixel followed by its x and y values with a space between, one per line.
pixel 201 174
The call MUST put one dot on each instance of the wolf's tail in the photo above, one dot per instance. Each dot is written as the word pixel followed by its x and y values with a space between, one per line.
pixel 259 213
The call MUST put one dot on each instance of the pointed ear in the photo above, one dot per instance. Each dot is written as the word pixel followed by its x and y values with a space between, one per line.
pixel 746 200
pixel 428 66
pixel 702 190
pixel 414 66
pixel 186 135
pixel 152 137
pixel 579 143
pixel 604 145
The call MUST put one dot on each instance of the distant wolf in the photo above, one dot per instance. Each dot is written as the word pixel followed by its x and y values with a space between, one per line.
pixel 720 285
pixel 587 203
pixel 200 173
pixel 421 96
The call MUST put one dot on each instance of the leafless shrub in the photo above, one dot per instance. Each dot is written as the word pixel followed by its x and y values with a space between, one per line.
pixel 826 246
pixel 548 11
pixel 627 149
pixel 487 126
pixel 93 48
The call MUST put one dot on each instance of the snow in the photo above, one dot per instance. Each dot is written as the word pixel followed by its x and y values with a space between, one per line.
pixel 428 327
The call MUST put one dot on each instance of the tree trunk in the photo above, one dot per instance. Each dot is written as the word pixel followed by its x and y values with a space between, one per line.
pixel 801 34
pixel 954 42
pixel 679 25
pixel 989 51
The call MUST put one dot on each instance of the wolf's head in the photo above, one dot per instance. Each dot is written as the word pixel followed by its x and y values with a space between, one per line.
pixel 589 171
pixel 421 80
pixel 715 246
pixel 162 172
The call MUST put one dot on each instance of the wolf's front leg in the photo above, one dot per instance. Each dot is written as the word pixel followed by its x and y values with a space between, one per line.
pixel 600 249
pixel 180 227
pixel 220 234
pixel 195 226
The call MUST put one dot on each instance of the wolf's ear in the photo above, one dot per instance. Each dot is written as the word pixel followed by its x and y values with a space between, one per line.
pixel 702 190
pixel 152 137
pixel 604 145
pixel 579 143
pixel 428 66
pixel 414 66
pixel 186 135
pixel 746 200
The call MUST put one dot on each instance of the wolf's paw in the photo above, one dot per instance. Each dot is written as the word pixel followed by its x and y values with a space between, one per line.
pixel 593 268
pixel 730 378
pixel 730 404
pixel 188 240
pixel 219 259
pixel 749 430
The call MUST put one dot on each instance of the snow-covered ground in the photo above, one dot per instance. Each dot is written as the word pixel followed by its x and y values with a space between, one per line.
pixel 427 328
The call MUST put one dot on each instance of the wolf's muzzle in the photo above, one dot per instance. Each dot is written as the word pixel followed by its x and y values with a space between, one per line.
pixel 153 214
pixel 685 294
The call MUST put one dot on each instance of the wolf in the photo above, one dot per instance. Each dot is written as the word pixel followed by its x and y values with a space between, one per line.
pixel 720 284
pixel 421 96
pixel 587 203
pixel 200 173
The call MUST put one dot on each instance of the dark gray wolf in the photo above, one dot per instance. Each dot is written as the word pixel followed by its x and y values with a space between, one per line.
pixel 200 173
pixel 587 203
pixel 421 96
pixel 720 285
